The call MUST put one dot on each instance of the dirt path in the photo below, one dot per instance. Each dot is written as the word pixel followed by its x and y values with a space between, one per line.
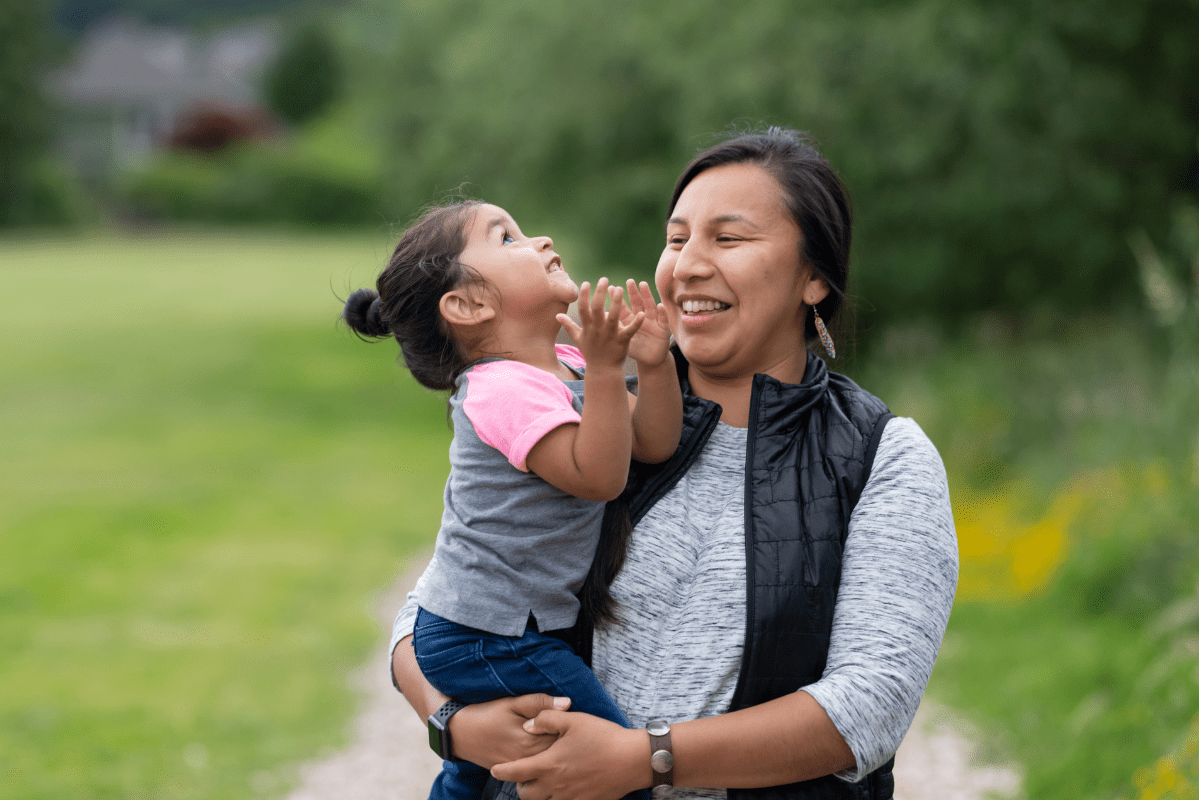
pixel 389 757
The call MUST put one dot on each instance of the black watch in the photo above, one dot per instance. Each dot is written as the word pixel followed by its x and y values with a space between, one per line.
pixel 439 732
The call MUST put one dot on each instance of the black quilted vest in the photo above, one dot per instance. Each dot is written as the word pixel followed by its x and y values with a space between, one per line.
pixel 809 452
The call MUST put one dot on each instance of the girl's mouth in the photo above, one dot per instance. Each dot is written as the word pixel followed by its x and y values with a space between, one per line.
pixel 698 307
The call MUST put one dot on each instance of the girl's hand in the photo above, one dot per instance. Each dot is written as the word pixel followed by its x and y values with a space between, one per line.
pixel 493 732
pixel 650 346
pixel 602 336
pixel 593 759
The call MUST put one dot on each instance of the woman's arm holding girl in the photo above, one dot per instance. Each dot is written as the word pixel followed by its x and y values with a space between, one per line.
pixel 898 580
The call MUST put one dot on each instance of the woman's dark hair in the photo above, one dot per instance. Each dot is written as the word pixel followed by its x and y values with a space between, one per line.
pixel 423 267
pixel 814 195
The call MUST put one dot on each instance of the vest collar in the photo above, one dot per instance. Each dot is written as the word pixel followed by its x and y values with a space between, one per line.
pixel 784 398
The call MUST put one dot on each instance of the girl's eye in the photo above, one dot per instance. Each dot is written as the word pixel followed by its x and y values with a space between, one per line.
pixel 506 239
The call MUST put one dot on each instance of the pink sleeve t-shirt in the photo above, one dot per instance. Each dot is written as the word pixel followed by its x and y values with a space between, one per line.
pixel 511 545
pixel 512 405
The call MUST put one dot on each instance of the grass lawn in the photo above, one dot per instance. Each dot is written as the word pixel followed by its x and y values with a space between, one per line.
pixel 205 482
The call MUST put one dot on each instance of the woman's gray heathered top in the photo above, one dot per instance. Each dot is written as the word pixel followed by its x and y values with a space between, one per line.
pixel 682 597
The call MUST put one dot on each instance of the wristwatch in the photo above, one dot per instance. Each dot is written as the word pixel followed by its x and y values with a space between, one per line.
pixel 439 732
pixel 662 761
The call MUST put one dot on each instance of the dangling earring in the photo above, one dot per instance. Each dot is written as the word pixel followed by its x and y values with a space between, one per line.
pixel 823 334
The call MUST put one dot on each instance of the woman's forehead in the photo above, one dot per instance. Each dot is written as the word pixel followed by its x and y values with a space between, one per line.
pixel 744 193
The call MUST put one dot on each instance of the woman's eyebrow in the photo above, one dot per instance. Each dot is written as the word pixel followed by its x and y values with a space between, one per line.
pixel 716 220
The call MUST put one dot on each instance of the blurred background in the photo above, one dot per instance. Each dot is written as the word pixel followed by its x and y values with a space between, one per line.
pixel 206 483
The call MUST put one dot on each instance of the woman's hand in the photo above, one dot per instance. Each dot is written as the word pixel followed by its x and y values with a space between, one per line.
pixel 650 346
pixel 592 759
pixel 494 732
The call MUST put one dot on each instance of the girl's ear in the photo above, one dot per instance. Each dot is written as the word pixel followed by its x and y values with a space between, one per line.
pixel 461 306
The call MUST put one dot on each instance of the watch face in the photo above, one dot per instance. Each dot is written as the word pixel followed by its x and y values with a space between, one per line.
pixel 658 727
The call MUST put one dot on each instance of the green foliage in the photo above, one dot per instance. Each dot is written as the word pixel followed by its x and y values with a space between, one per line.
pixel 254 184
pixel 76 15
pixel 32 190
pixel 1090 680
pixel 1000 155
pixel 306 77
pixel 197 507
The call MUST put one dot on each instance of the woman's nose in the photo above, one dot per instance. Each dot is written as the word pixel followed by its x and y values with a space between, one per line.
pixel 691 263
pixel 543 243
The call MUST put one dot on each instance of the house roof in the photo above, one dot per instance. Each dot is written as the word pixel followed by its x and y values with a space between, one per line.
pixel 125 63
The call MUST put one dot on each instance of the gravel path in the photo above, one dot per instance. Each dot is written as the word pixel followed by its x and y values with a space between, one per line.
pixel 389 756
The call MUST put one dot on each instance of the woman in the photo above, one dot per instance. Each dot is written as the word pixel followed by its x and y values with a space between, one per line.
pixel 792 567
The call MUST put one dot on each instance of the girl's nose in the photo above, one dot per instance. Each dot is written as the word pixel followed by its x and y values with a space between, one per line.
pixel 543 243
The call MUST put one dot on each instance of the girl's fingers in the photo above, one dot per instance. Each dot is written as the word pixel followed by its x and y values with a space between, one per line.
pixel 635 298
pixel 662 315
pixel 573 330
pixel 647 296
pixel 628 329
pixel 597 305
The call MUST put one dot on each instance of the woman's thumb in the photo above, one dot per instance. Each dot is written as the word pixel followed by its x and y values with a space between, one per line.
pixel 549 721
pixel 530 705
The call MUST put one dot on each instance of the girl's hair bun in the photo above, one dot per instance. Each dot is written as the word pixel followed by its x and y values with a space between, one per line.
pixel 362 314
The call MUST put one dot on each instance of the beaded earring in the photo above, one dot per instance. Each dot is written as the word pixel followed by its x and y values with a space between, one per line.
pixel 823 334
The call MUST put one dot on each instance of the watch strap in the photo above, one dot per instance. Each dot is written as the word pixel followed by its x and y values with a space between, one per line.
pixel 662 759
pixel 439 732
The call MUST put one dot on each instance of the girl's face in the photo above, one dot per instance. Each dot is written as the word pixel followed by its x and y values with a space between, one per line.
pixel 524 274
pixel 732 279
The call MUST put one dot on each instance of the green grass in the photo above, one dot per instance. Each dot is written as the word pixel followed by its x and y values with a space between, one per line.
pixel 1071 452
pixel 205 483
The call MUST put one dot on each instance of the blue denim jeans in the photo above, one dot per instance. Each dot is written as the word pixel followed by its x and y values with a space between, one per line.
pixel 475 666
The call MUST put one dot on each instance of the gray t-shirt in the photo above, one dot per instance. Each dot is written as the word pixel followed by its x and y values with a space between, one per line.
pixel 682 595
pixel 510 544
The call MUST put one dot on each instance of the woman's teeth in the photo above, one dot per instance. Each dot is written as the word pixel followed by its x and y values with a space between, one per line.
pixel 699 306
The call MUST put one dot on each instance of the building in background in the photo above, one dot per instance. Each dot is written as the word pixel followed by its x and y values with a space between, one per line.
pixel 133 88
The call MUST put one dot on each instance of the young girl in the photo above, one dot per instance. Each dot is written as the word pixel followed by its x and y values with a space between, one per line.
pixel 476 306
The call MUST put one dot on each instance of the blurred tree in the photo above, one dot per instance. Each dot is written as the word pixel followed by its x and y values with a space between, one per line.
pixel 306 78
pixel 76 15
pixel 24 122
pixel 1000 155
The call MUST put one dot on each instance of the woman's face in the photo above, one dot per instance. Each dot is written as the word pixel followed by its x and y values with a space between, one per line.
pixel 731 276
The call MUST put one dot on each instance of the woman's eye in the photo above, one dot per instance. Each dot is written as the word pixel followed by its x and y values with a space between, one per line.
pixel 727 238
pixel 506 239
pixel 676 239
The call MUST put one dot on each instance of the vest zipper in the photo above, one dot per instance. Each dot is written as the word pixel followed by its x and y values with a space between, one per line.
pixel 748 524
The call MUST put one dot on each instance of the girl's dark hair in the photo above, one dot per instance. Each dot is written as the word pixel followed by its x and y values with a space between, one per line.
pixel 423 267
pixel 814 194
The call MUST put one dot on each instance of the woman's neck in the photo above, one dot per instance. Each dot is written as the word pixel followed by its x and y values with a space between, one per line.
pixel 732 392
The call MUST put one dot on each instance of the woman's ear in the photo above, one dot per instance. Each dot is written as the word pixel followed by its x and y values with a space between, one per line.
pixel 815 290
pixel 461 306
